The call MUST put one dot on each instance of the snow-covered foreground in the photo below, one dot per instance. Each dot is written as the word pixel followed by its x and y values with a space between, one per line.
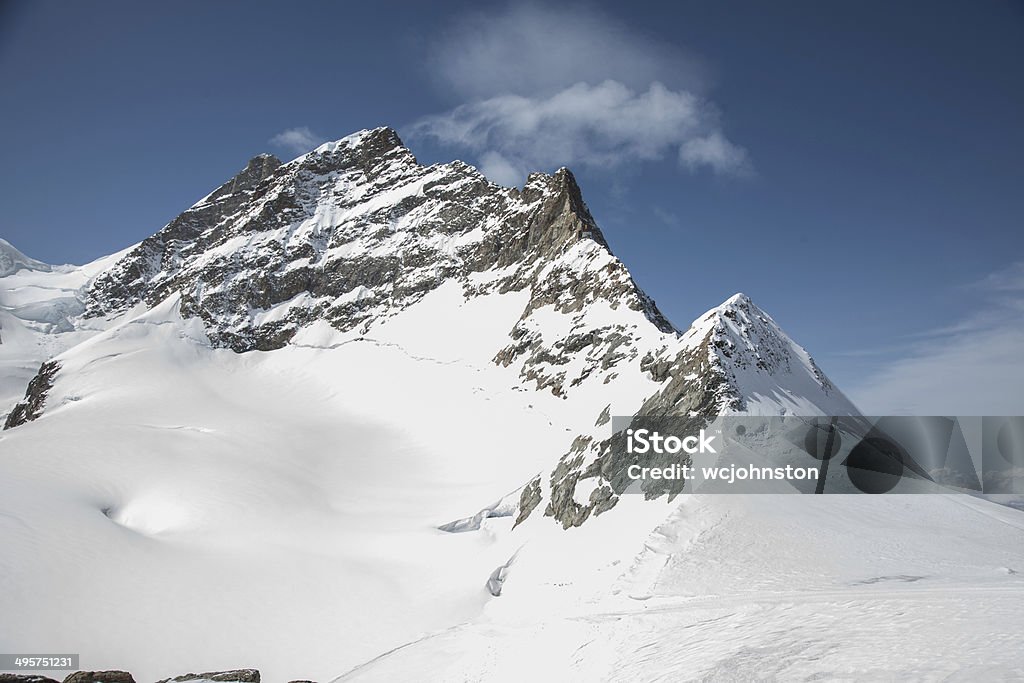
pixel 769 587
pixel 338 506
pixel 180 507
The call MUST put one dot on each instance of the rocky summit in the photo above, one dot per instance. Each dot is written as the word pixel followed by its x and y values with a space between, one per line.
pixel 356 232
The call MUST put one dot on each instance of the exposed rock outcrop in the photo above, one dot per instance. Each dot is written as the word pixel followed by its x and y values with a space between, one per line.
pixel 232 676
pixel 100 677
pixel 35 396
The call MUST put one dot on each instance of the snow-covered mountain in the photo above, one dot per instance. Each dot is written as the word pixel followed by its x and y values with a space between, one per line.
pixel 356 237
pixel 258 431
pixel 12 260
pixel 41 309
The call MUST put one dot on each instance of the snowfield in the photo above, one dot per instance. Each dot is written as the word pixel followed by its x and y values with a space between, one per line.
pixel 765 587
pixel 182 507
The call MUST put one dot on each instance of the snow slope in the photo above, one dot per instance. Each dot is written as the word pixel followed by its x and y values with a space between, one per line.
pixel 769 587
pixel 41 310
pixel 277 509
pixel 288 501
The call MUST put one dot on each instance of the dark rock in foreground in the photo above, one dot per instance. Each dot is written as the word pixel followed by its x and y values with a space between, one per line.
pixel 100 677
pixel 25 678
pixel 232 676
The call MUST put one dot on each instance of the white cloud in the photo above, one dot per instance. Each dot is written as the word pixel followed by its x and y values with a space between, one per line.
pixel 1009 279
pixel 604 125
pixel 544 87
pixel 669 218
pixel 715 151
pixel 530 49
pixel 501 170
pixel 297 140
pixel 973 367
pixel 964 375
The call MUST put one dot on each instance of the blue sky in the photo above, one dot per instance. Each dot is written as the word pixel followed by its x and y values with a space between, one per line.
pixel 855 167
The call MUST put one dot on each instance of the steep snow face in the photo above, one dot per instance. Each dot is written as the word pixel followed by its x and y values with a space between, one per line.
pixel 762 370
pixel 41 309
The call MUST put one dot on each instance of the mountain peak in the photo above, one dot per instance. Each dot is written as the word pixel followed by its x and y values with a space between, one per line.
pixel 361 214
pixel 381 139
pixel 739 300
pixel 258 168
pixel 374 151
pixel 263 159
pixel 12 260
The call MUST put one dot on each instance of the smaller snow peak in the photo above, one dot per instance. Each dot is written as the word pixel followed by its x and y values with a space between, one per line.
pixel 740 314
pixel 738 299
pixel 740 307
pixel 12 260
pixel 742 304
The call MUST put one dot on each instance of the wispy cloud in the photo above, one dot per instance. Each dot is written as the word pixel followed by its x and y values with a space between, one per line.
pixel 534 49
pixel 1009 279
pixel 297 140
pixel 545 87
pixel 669 218
pixel 715 151
pixel 974 366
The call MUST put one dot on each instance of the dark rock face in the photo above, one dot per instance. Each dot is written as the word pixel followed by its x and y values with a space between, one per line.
pixel 100 677
pixel 124 285
pixel 35 396
pixel 25 678
pixel 232 676
pixel 528 501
